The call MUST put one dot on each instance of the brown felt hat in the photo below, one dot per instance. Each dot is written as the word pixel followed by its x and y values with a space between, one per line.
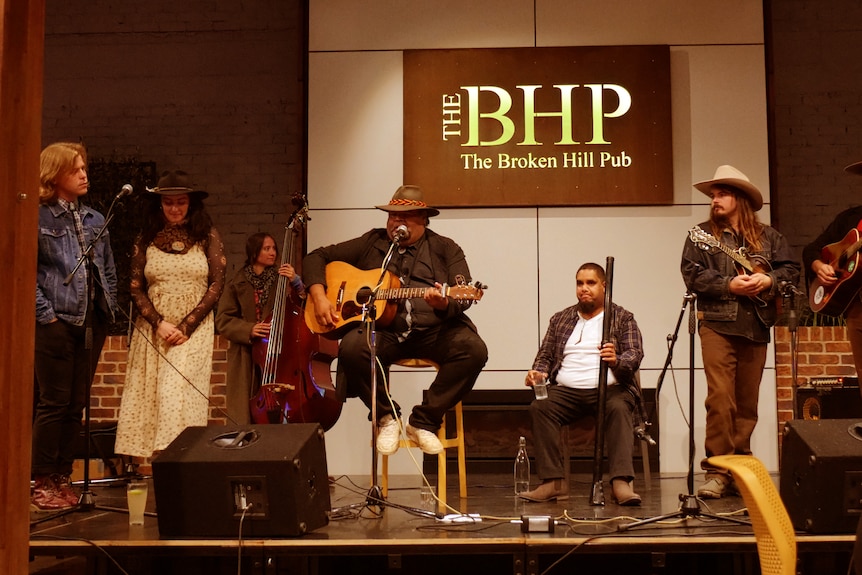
pixel 406 199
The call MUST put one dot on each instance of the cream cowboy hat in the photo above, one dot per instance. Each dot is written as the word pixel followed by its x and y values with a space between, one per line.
pixel 406 199
pixel 730 176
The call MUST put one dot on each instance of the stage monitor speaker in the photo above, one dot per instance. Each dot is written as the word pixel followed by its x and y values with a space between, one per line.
pixel 821 474
pixel 208 476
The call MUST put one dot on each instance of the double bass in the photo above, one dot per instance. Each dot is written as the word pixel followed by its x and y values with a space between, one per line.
pixel 295 384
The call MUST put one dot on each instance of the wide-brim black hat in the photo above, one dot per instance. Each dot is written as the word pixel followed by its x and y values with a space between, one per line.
pixel 175 183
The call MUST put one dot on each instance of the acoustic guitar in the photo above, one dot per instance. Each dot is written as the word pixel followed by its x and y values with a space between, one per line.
pixel 744 263
pixel 349 290
pixel 843 256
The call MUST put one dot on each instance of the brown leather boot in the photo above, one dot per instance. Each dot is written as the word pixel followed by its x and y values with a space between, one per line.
pixel 45 497
pixel 548 491
pixel 63 486
pixel 624 494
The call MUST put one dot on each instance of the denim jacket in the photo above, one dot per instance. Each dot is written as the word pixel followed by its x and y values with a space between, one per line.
pixel 58 253
pixel 707 271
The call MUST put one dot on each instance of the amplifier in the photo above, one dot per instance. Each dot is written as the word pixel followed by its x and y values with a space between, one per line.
pixel 840 381
pixel 821 401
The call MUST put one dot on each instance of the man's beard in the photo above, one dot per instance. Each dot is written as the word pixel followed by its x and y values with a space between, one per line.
pixel 588 306
pixel 719 219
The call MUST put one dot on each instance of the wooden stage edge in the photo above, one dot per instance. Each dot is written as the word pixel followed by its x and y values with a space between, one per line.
pixel 397 541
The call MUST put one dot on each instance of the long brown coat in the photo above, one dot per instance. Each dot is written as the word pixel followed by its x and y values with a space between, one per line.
pixel 235 320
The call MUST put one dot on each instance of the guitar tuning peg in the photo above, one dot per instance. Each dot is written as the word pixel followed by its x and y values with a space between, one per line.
pixel 480 285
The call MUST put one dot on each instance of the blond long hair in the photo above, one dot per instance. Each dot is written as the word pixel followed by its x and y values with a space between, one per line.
pixel 56 160
pixel 749 224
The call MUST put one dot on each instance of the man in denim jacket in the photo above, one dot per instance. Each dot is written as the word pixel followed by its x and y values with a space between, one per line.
pixel 735 265
pixel 65 364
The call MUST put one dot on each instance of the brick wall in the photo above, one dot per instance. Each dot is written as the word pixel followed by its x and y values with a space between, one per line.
pixel 111 375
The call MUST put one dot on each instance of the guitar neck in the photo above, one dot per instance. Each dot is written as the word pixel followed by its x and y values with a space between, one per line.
pixel 403 293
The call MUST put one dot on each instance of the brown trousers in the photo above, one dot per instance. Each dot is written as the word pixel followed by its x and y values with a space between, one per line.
pixel 734 367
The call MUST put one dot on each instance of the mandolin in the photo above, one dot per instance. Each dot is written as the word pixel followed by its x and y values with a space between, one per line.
pixel 745 264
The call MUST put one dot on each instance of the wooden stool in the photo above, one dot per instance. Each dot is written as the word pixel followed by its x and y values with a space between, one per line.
pixel 448 442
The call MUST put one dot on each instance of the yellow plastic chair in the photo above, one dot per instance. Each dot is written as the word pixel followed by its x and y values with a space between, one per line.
pixel 773 530
pixel 456 441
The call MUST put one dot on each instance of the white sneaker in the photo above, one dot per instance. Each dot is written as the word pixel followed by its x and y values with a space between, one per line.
pixel 388 435
pixel 427 441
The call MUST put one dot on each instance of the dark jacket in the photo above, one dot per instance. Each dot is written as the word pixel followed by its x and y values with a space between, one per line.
pixel 707 272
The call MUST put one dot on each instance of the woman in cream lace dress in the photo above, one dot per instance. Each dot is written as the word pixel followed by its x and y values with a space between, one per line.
pixel 178 273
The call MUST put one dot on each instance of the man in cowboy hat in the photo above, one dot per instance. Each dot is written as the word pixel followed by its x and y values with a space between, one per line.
pixel 432 326
pixel 828 276
pixel 736 309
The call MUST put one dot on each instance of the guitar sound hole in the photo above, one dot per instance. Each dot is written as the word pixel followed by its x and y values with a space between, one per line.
pixel 363 295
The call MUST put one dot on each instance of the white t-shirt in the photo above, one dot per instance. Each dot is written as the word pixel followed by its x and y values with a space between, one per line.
pixel 581 359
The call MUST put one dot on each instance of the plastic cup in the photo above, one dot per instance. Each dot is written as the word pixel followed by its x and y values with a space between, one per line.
pixel 136 496
pixel 540 388
pixel 426 497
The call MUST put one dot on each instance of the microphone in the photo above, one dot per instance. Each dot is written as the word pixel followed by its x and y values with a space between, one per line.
pixel 401 233
pixel 126 191
pixel 785 287
pixel 642 434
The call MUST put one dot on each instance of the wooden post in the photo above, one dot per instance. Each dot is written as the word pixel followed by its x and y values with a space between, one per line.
pixel 22 32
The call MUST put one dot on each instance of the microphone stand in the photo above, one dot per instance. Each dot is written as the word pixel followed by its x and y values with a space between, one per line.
pixel 689 503
pixel 374 497
pixel 788 294
pixel 86 502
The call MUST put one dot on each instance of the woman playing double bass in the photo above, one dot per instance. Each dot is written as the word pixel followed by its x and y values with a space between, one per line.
pixel 243 316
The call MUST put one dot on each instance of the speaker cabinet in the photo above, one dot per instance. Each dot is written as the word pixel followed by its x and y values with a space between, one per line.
pixel 821 474
pixel 272 479
pixel 828 402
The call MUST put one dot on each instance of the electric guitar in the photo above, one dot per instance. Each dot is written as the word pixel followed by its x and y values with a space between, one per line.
pixel 843 256
pixel 349 288
pixel 745 263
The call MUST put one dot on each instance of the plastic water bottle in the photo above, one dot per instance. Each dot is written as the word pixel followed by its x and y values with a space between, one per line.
pixel 522 467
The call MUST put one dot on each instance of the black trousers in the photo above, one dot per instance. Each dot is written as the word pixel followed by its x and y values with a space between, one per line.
pixel 454 346
pixel 565 405
pixel 64 373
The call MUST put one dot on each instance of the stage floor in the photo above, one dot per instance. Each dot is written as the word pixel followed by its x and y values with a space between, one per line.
pixel 406 538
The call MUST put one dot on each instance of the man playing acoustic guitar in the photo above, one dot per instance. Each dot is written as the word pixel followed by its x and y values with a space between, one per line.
pixel 426 319
pixel 831 270
pixel 735 296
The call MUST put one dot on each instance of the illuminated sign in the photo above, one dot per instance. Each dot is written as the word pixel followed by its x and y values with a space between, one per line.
pixel 539 126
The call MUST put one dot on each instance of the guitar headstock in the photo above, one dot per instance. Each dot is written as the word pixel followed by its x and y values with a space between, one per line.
pixel 462 291
pixel 700 237
pixel 466 292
